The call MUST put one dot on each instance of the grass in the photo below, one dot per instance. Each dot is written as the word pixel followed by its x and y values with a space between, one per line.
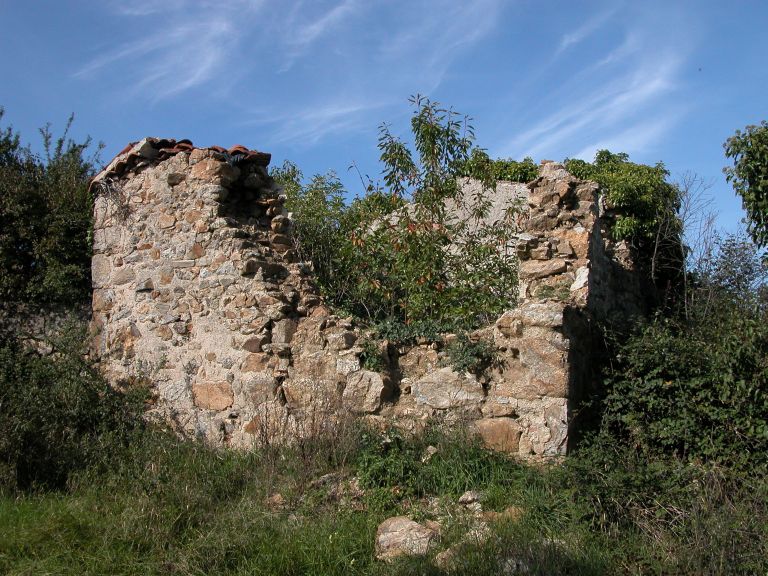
pixel 170 507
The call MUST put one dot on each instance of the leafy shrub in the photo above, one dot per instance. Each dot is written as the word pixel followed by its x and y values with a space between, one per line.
pixel 45 243
pixel 371 357
pixel 417 331
pixel 399 253
pixel 695 394
pixel 639 192
pixel 468 355
pixel 480 163
pixel 696 386
pixel 460 463
pixel 57 415
pixel 319 216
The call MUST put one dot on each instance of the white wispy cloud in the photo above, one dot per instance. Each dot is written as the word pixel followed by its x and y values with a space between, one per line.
pixel 355 56
pixel 636 138
pixel 585 30
pixel 377 71
pixel 432 35
pixel 183 49
pixel 309 32
pixel 298 33
pixel 621 101
pixel 313 123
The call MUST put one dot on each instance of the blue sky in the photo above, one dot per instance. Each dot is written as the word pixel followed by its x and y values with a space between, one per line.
pixel 311 81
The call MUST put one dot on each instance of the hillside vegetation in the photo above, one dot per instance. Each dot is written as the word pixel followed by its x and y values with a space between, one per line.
pixel 668 478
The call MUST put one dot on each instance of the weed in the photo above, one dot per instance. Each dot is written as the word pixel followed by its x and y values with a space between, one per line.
pixel 471 355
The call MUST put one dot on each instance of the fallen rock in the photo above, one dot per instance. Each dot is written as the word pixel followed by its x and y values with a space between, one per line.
pixel 470 497
pixel 276 501
pixel 428 453
pixel 399 536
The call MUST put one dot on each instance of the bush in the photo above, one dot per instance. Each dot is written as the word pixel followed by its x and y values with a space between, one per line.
pixel 45 244
pixel 639 192
pixel 399 254
pixel 57 415
pixel 695 386
pixel 500 169
pixel 471 355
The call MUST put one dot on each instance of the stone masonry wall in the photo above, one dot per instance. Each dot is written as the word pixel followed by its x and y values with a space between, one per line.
pixel 196 289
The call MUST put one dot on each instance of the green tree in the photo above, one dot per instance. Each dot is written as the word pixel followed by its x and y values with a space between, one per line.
pixel 46 212
pixel 400 253
pixel 440 266
pixel 749 175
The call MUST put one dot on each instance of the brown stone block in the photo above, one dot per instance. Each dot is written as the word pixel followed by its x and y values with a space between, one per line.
pixel 213 395
pixel 578 239
pixel 531 269
pixel 197 251
pixel 445 388
pixel 164 332
pixel 256 362
pixel 364 392
pixel 562 188
pixel 283 331
pixel 265 300
pixel 554 386
pixel 502 434
pixel 166 220
pixel 512 384
pixel 510 325
pixel 418 361
pixel 214 171
pixel 100 270
pixel 102 301
pixel 311 393
pixel 531 387
pixel 123 275
pixel 192 216
pixel 261 388
pixel 254 343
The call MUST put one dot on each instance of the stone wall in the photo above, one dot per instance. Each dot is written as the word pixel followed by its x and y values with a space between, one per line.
pixel 196 289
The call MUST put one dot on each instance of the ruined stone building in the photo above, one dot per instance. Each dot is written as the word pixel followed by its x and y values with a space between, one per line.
pixel 196 288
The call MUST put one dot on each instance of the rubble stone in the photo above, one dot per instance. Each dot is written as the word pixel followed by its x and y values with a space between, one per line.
pixel 401 536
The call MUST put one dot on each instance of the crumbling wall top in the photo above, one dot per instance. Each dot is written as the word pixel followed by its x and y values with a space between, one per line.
pixel 151 151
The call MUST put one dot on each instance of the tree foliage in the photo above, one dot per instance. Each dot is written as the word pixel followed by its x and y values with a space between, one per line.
pixel 749 175
pixel 646 212
pixel 45 210
pixel 695 386
pixel 508 169
pixel 400 252
pixel 640 193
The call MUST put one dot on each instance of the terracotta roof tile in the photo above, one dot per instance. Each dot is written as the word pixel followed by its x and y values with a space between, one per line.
pixel 159 149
